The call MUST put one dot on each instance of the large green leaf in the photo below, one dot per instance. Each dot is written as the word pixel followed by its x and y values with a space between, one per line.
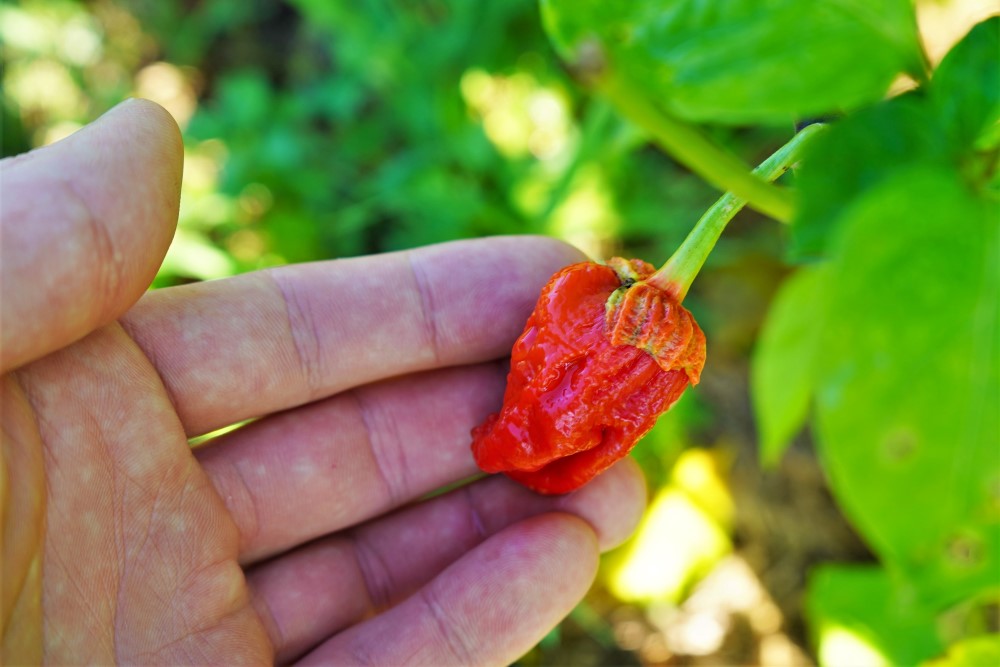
pixel 782 370
pixel 957 118
pixel 745 61
pixel 856 155
pixel 909 386
pixel 966 86
pixel 864 601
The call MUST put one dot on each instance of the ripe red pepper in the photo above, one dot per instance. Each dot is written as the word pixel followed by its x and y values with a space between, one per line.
pixel 601 357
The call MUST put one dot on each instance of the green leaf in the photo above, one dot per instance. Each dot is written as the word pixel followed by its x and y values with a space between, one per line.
pixel 909 387
pixel 966 85
pixel 857 154
pixel 866 603
pixel 782 366
pixel 959 116
pixel 971 652
pixel 746 61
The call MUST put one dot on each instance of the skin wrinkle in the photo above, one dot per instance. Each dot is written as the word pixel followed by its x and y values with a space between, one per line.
pixel 214 622
pixel 389 440
pixel 105 261
pixel 290 646
pixel 222 569
pixel 361 654
pixel 276 633
pixel 108 258
pixel 393 484
pixel 427 306
pixel 149 351
pixel 455 642
pixel 127 557
pixel 303 332
pixel 189 481
pixel 125 560
pixel 475 518
pixel 122 562
pixel 146 534
pixel 248 531
pixel 375 574
pixel 152 656
pixel 94 613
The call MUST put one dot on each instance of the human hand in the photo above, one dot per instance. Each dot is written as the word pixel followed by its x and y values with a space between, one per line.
pixel 303 533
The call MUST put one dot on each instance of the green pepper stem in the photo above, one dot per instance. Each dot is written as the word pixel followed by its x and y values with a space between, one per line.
pixel 676 276
pixel 694 150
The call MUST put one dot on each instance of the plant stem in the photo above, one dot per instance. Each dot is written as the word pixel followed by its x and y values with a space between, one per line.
pixel 695 150
pixel 676 276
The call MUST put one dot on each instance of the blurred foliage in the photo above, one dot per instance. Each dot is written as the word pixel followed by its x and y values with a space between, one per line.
pixel 317 129
pixel 971 652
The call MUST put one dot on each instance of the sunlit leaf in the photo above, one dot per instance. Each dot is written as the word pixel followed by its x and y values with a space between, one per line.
pixel 782 371
pixel 971 652
pixel 909 383
pixel 743 61
pixel 861 617
pixel 966 86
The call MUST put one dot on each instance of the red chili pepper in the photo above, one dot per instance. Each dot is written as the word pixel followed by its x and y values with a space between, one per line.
pixel 601 357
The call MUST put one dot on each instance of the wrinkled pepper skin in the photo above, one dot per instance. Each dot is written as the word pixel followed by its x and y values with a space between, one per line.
pixel 601 357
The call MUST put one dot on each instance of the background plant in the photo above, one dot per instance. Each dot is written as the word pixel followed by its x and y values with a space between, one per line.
pixel 318 129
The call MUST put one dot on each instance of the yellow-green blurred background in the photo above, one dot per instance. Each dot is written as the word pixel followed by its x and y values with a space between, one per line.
pixel 317 129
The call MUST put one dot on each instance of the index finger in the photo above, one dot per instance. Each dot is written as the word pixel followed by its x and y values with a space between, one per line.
pixel 263 342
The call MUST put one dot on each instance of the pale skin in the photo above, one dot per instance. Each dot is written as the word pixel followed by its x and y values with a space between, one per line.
pixel 301 537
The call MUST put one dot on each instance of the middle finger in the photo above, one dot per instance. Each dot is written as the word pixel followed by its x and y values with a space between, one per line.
pixel 296 475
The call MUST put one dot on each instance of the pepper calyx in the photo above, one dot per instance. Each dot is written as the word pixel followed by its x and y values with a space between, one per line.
pixel 651 319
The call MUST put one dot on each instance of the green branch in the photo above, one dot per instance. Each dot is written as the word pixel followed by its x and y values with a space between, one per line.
pixel 694 150
pixel 680 270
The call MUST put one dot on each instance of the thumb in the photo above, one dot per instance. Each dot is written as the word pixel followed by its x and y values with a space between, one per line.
pixel 84 224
